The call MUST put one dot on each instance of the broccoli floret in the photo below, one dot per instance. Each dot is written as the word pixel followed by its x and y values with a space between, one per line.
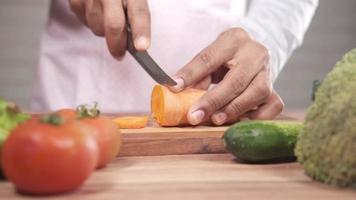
pixel 326 146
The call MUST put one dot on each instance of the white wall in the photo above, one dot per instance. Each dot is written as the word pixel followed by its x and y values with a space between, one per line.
pixel 332 33
pixel 21 23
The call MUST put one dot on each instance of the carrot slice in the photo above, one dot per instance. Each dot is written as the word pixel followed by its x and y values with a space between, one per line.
pixel 131 122
pixel 171 109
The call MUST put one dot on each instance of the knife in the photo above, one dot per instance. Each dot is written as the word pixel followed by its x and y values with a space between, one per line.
pixel 146 61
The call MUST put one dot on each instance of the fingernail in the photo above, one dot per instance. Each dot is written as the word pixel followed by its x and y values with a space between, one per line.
pixel 219 118
pixel 141 43
pixel 196 117
pixel 179 86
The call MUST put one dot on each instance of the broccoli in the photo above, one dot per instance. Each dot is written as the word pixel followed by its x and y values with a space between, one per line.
pixel 326 146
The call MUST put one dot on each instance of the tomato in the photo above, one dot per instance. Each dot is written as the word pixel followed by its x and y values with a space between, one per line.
pixel 67 113
pixel 106 132
pixel 49 157
pixel 108 137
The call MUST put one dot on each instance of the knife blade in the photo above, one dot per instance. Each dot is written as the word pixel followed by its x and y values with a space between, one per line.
pixel 147 63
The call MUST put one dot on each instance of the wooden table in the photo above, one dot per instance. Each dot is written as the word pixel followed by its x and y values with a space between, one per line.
pixel 208 176
pixel 197 176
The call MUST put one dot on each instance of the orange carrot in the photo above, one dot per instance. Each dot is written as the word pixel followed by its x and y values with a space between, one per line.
pixel 131 122
pixel 171 109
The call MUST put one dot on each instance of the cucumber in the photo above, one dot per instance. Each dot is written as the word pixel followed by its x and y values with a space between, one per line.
pixel 262 141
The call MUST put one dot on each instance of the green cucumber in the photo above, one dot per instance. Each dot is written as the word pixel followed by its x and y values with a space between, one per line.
pixel 262 141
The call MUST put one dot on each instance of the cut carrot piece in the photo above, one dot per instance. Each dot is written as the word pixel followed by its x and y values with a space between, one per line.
pixel 171 109
pixel 131 122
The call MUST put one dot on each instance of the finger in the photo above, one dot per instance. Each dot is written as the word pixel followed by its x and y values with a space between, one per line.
pixel 203 84
pixel 94 17
pixel 248 62
pixel 78 7
pixel 114 27
pixel 269 110
pixel 207 61
pixel 256 93
pixel 139 18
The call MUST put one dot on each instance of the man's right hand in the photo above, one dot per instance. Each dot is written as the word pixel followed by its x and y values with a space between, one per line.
pixel 106 18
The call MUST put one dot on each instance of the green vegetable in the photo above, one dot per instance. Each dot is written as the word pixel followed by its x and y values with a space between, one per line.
pixel 326 146
pixel 262 141
pixel 10 117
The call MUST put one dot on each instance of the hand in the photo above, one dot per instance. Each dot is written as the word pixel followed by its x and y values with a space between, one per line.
pixel 107 18
pixel 240 66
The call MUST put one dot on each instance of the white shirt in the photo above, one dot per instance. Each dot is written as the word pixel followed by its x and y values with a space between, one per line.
pixel 75 66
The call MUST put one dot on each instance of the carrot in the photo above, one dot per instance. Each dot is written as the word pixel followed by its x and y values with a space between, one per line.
pixel 171 109
pixel 131 122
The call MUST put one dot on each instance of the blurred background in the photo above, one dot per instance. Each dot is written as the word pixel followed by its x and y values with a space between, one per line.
pixel 332 34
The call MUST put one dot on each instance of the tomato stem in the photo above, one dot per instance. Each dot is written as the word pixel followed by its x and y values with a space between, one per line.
pixel 52 119
pixel 85 111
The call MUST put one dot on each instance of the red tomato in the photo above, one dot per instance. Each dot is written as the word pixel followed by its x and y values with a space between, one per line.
pixel 67 113
pixel 42 158
pixel 108 136
pixel 106 132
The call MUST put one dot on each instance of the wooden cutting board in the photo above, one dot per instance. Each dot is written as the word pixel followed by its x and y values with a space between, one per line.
pixel 151 141
pixel 154 140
